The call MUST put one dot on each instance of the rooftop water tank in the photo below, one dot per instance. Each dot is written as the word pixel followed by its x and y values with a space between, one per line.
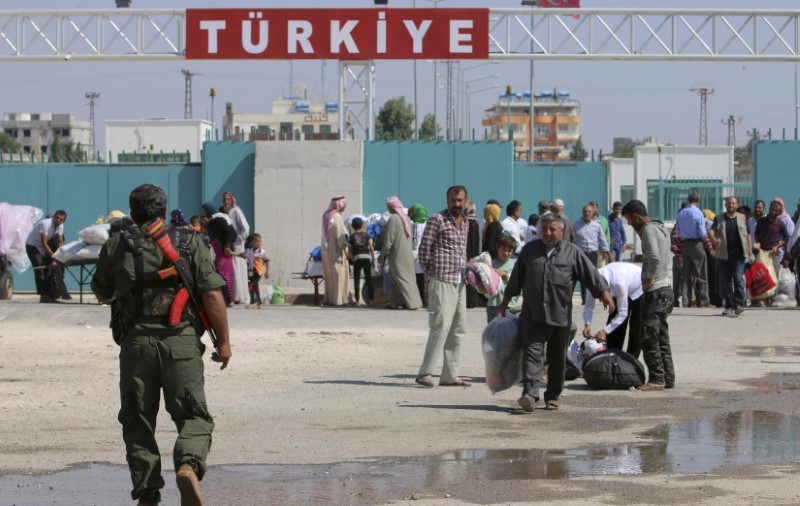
pixel 563 93
pixel 546 94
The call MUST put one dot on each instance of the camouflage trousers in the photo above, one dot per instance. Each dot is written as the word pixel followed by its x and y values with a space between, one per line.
pixel 654 336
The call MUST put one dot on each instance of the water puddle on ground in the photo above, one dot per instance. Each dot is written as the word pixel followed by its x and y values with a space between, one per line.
pixel 697 446
pixel 769 351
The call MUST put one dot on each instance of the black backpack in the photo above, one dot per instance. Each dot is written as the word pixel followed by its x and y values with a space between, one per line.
pixel 613 370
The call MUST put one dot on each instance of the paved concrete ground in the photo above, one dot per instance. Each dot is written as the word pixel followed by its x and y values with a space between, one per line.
pixel 312 391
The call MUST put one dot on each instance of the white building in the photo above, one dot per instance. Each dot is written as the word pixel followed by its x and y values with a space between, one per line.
pixel 157 139
pixel 36 131
pixel 706 169
pixel 292 118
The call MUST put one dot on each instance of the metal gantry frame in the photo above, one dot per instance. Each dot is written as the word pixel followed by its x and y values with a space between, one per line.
pixel 515 34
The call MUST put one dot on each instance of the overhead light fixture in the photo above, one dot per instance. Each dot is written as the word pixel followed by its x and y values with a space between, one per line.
pixel 381 2
pixel 123 3
pixel 529 3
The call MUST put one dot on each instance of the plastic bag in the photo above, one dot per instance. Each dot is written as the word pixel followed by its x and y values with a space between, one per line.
pixel 502 353
pixel 95 234
pixel 277 298
pixel 16 223
pixel 786 283
pixel 760 277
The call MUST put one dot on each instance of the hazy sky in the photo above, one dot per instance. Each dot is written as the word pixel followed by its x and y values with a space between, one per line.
pixel 619 99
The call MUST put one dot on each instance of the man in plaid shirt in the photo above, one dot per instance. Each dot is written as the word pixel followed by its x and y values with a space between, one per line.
pixel 443 257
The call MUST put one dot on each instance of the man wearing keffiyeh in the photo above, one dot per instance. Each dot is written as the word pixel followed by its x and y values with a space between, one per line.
pixel 397 250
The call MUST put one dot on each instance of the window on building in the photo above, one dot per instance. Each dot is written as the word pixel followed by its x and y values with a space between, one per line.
pixel 26 149
pixel 34 117
pixel 64 132
pixel 26 132
pixel 325 131
pixel 287 130
pixel 12 132
pixel 625 194
pixel 44 150
pixel 308 131
pixel 542 130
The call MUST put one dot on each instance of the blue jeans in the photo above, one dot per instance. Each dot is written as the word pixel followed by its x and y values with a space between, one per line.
pixel 731 276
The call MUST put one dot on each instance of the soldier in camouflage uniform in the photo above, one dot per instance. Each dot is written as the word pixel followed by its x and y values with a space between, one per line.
pixel 155 356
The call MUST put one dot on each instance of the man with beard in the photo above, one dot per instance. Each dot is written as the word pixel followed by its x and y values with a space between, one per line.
pixel 443 257
pixel 545 273
pixel 656 303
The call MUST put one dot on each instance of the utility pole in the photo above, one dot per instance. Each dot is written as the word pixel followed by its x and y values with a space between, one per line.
pixel 187 94
pixel 92 98
pixel 704 93
pixel 731 122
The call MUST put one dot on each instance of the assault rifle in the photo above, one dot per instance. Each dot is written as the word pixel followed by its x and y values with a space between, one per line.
pixel 183 274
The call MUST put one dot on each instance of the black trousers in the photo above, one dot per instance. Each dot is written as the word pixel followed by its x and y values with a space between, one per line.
pixel 365 265
pixel 534 338
pixel 616 338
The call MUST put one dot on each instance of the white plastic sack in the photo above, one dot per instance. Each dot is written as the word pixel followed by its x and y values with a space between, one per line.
pixel 314 269
pixel 90 252
pixel 16 223
pixel 95 234
pixel 786 284
pixel 502 353
pixel 69 251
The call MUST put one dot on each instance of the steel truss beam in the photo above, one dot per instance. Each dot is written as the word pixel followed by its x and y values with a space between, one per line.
pixel 644 34
pixel 596 34
pixel 92 35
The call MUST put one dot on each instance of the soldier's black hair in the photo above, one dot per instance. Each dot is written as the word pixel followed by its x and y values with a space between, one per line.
pixel 147 202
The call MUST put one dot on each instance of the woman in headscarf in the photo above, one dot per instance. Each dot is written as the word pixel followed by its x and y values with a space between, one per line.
pixel 403 292
pixel 473 250
pixel 335 270
pixel 221 237
pixel 242 229
pixel 492 229
pixel 419 217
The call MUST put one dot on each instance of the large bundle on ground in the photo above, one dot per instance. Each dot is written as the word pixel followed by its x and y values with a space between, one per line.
pixel 502 352
pixel 613 370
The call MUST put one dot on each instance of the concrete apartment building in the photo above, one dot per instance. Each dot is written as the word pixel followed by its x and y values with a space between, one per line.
pixel 156 139
pixel 292 118
pixel 36 131
pixel 556 123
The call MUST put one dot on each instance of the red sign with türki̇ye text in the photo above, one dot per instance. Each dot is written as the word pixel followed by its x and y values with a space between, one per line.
pixel 337 34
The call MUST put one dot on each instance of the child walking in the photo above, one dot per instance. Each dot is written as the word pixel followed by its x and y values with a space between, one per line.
pixel 258 265
pixel 362 253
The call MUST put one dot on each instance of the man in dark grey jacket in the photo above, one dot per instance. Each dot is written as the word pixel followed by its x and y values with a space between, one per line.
pixel 656 302
pixel 546 272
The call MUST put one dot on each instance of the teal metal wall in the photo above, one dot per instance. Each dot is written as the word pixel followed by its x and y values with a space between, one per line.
pixel 88 191
pixel 776 171
pixel 422 172
pixel 574 183
pixel 229 167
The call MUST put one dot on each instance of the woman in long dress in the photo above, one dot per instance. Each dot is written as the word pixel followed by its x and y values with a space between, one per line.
pixel 335 271
pixel 242 228
pixel 397 250
pixel 221 238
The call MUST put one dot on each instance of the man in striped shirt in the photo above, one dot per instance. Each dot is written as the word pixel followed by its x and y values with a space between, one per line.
pixel 443 256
